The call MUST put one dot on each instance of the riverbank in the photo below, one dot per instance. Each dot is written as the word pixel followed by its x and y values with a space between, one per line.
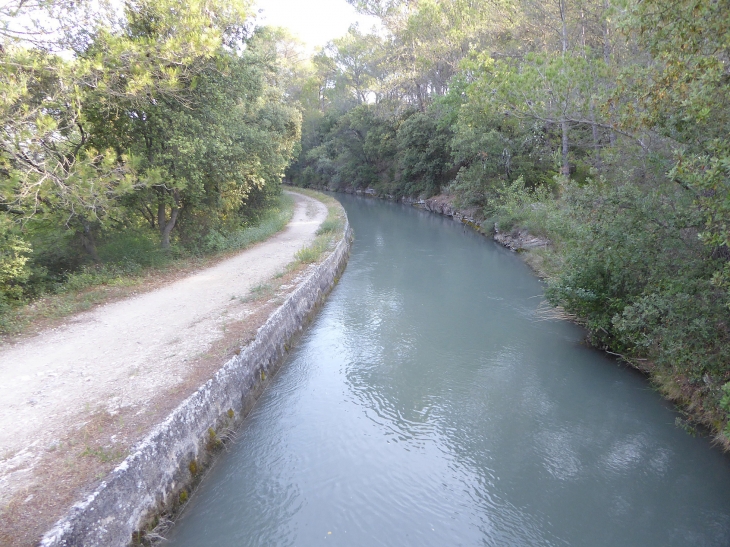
pixel 701 402
pixel 697 401
pixel 516 239
pixel 88 411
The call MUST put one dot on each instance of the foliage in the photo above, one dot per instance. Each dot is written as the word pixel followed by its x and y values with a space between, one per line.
pixel 139 136
pixel 129 259
pixel 492 149
pixel 684 96
pixel 351 149
pixel 519 205
pixel 423 153
pixel 272 221
pixel 13 262
pixel 631 268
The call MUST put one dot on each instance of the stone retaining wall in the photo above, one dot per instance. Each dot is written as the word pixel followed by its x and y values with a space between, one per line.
pixel 159 474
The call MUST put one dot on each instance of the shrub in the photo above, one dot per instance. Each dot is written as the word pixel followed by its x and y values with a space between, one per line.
pixel 311 254
pixel 330 226
pixel 14 253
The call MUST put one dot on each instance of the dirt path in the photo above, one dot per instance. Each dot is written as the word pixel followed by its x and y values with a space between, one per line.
pixel 120 358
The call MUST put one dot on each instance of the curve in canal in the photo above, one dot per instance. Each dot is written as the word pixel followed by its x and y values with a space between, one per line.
pixel 430 405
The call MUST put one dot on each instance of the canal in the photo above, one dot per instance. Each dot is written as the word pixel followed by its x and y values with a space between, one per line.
pixel 430 404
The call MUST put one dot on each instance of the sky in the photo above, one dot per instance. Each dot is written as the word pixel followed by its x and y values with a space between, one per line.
pixel 315 22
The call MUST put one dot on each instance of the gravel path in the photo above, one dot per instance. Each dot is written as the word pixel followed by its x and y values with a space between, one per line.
pixel 123 355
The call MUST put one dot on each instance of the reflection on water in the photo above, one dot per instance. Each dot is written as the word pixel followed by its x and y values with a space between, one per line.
pixel 428 405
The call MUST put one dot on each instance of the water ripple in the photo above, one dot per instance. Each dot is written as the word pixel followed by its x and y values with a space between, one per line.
pixel 427 406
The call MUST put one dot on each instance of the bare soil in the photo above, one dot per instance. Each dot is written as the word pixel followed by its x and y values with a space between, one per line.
pixel 77 397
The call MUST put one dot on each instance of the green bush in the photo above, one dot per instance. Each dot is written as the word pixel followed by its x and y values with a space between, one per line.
pixel 14 254
pixel 629 263
pixel 330 226
pixel 635 271
pixel 311 254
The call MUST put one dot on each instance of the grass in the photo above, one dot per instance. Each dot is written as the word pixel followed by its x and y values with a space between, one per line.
pixel 262 290
pixel 327 234
pixel 104 456
pixel 330 226
pixel 134 264
pixel 311 254
pixel 271 223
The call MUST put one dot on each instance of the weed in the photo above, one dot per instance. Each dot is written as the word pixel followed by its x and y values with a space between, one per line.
pixel 330 226
pixel 214 442
pixel 311 254
pixel 103 455
pixel 256 292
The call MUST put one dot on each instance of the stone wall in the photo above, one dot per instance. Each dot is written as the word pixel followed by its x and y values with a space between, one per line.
pixel 163 468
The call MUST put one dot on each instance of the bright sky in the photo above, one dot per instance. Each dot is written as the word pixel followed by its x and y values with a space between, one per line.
pixel 315 22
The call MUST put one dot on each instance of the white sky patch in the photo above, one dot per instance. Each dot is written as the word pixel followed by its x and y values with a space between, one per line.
pixel 315 22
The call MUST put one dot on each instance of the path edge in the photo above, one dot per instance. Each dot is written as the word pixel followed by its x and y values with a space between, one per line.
pixel 157 476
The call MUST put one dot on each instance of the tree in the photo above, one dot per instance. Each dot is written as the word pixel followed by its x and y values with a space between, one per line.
pixel 355 59
pixel 685 97
pixel 49 166
pixel 60 158
pixel 161 116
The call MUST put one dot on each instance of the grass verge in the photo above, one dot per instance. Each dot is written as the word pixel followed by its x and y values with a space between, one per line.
pixel 328 233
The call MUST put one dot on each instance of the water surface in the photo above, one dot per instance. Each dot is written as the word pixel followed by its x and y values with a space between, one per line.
pixel 429 405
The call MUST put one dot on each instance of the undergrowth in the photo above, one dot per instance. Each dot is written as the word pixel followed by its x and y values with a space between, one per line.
pixel 128 260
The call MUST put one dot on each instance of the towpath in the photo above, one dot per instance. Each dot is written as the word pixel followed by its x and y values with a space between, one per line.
pixel 77 396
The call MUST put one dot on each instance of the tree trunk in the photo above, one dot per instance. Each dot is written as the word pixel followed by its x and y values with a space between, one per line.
pixel 561 6
pixel 607 59
pixel 565 169
pixel 88 242
pixel 594 130
pixel 606 35
pixel 166 226
pixel 419 98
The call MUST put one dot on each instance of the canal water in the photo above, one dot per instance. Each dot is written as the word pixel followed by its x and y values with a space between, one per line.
pixel 430 405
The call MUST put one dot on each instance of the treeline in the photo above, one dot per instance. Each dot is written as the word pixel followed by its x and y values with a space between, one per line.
pixel 600 124
pixel 133 133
